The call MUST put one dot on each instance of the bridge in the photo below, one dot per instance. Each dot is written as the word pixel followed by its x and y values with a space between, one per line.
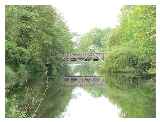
pixel 89 56
pixel 84 80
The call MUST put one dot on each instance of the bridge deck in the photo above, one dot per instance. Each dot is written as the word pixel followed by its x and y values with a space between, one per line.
pixel 69 57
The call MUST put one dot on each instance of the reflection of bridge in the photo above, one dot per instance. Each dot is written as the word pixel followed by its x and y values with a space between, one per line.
pixel 84 80
pixel 90 56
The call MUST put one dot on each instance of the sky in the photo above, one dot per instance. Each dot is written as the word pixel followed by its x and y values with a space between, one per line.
pixel 83 15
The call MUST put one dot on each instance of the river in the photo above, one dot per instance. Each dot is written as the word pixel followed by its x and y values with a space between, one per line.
pixel 82 104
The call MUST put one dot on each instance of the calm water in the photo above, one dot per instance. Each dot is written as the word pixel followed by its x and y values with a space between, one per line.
pixel 83 104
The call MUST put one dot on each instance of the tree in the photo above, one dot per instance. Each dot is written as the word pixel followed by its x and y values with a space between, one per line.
pixel 36 38
pixel 129 67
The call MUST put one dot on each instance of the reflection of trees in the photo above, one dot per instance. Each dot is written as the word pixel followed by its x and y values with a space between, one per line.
pixel 126 80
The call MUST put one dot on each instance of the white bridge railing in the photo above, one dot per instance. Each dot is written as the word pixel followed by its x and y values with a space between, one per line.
pixel 70 57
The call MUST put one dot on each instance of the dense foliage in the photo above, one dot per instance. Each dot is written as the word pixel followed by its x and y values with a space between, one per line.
pixel 130 64
pixel 36 38
pixel 94 40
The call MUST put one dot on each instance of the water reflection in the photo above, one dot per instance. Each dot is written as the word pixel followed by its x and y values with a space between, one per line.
pixel 84 105
pixel 126 80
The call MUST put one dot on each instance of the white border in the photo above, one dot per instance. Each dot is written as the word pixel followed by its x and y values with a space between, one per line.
pixel 158 61
pixel 41 2
pixel 47 2
pixel 2 60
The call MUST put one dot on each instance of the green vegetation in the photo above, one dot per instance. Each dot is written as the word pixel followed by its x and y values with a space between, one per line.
pixel 36 38
pixel 93 41
pixel 129 66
